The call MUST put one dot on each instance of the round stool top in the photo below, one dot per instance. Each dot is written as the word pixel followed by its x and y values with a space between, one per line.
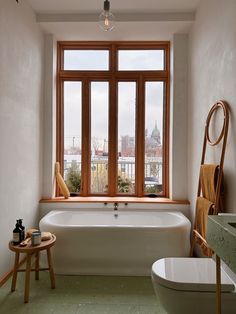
pixel 29 248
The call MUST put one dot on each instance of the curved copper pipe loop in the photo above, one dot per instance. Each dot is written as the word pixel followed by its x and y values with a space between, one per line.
pixel 216 106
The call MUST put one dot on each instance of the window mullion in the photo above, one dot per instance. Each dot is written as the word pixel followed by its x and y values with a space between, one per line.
pixel 112 183
pixel 166 124
pixel 112 147
pixel 166 128
pixel 60 127
pixel 140 134
pixel 85 175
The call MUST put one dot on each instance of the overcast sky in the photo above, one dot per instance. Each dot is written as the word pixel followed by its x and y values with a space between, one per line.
pixel 99 98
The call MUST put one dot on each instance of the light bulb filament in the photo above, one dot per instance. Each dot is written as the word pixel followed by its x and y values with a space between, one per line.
pixel 106 22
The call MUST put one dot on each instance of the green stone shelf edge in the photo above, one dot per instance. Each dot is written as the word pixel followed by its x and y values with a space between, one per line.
pixel 221 237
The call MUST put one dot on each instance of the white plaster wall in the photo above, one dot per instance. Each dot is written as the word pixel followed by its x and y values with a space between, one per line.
pixel 212 76
pixel 178 117
pixel 21 105
pixel 49 138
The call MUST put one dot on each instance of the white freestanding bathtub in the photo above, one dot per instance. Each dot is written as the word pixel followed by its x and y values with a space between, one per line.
pixel 115 243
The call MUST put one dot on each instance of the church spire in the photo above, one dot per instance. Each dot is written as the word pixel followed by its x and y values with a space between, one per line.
pixel 156 134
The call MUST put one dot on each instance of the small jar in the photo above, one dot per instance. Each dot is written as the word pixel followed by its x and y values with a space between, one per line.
pixel 36 238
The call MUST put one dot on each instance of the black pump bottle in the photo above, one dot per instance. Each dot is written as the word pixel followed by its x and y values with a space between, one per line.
pixel 17 234
pixel 22 236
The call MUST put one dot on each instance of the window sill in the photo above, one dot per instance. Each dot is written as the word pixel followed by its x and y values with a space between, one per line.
pixel 94 199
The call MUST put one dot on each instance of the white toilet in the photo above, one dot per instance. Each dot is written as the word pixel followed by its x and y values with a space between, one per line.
pixel 187 286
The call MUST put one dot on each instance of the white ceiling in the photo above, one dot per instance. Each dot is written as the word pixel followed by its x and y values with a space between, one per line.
pixel 123 31
pixel 135 19
pixel 127 6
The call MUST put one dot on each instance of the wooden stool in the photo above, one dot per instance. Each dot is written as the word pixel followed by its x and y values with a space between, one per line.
pixel 30 250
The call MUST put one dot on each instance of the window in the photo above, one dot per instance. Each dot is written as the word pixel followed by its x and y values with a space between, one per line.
pixel 132 60
pixel 113 117
pixel 87 60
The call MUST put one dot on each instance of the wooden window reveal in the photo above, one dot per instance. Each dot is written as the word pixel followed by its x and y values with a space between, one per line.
pixel 113 117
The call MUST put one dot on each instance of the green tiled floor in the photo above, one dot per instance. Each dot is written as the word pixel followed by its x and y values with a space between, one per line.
pixel 82 295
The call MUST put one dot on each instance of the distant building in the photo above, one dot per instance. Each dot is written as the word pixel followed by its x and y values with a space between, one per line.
pixel 153 147
pixel 105 147
pixel 156 135
pixel 127 146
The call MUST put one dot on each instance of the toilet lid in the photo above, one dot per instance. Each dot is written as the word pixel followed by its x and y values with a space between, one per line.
pixel 190 274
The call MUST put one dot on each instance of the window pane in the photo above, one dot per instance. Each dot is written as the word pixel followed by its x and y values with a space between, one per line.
pixel 86 60
pixel 133 60
pixel 72 135
pixel 99 137
pixel 153 137
pixel 126 136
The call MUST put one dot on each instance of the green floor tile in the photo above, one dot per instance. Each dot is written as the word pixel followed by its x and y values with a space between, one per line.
pixel 82 295
pixel 104 309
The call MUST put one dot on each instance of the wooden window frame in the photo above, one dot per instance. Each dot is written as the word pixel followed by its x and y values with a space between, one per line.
pixel 113 76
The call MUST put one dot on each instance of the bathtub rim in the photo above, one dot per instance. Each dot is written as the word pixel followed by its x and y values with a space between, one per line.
pixel 184 221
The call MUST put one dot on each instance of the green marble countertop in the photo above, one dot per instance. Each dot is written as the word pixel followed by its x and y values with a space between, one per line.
pixel 221 237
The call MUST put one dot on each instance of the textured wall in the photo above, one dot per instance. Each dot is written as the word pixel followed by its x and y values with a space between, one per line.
pixel 21 104
pixel 49 139
pixel 178 117
pixel 212 76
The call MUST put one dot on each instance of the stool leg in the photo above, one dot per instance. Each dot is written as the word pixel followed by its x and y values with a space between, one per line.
pixel 37 267
pixel 51 271
pixel 27 278
pixel 14 277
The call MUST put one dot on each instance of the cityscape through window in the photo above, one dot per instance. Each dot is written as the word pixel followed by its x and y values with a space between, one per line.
pixel 113 118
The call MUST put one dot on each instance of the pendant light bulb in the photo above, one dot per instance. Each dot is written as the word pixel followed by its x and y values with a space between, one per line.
pixel 106 18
